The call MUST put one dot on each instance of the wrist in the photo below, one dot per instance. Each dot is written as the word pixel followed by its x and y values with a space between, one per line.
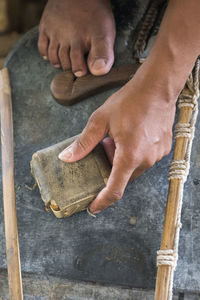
pixel 176 48
pixel 164 71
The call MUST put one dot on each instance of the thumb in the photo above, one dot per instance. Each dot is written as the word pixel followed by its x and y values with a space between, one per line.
pixel 92 134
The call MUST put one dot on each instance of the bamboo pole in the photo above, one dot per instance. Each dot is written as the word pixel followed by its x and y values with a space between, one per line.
pixel 184 135
pixel 168 236
pixel 10 215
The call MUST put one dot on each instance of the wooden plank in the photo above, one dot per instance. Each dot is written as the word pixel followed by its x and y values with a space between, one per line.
pixel 14 9
pixel 4 23
pixel 1 61
pixel 9 200
pixel 7 41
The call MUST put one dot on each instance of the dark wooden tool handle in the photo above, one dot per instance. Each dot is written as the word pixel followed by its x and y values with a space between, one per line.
pixel 10 215
pixel 68 89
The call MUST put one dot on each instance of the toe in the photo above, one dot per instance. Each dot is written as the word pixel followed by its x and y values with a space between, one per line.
pixel 64 57
pixel 53 53
pixel 101 56
pixel 43 43
pixel 79 67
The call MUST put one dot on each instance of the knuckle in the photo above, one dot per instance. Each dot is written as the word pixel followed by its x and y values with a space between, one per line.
pixel 128 154
pixel 132 158
pixel 94 118
pixel 81 144
pixel 96 126
pixel 168 147
pixel 128 161
pixel 103 39
pixel 167 150
pixel 75 53
pixel 159 158
pixel 115 196
pixel 149 162
pixel 63 51
pixel 53 48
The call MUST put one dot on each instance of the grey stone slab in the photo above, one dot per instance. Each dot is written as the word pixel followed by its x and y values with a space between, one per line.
pixel 109 249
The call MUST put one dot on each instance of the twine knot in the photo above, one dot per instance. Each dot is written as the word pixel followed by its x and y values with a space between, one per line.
pixel 167 258
pixel 178 169
pixel 187 100
pixel 184 130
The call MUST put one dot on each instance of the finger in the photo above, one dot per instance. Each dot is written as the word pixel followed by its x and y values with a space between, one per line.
pixel 121 172
pixel 93 133
pixel 109 147
pixel 146 164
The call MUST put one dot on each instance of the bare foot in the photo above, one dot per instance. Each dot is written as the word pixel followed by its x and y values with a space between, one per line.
pixel 70 29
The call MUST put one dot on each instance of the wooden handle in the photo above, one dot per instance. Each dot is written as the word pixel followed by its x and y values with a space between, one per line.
pixel 67 89
pixel 10 215
pixel 168 236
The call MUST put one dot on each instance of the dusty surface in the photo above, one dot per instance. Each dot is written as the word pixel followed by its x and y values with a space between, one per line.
pixel 110 249
pixel 50 288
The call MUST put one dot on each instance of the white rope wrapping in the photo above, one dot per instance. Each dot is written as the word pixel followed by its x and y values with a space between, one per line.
pixel 179 169
pixel 166 257
pixel 183 130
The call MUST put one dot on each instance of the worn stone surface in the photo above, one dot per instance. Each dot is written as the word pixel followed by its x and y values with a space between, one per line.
pixel 110 249
pixel 52 288
pixel 191 296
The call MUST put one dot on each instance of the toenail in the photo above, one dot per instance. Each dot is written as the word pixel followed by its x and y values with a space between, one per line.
pixel 57 66
pixel 45 57
pixel 99 63
pixel 78 73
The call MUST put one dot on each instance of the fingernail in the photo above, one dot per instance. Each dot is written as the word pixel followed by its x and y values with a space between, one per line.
pixel 45 57
pixel 65 154
pixel 90 213
pixel 99 63
pixel 79 73
pixel 57 66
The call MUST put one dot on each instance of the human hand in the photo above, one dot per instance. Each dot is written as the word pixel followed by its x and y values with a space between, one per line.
pixel 139 119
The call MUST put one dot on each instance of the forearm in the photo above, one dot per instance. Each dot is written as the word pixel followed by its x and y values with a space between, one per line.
pixel 177 46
